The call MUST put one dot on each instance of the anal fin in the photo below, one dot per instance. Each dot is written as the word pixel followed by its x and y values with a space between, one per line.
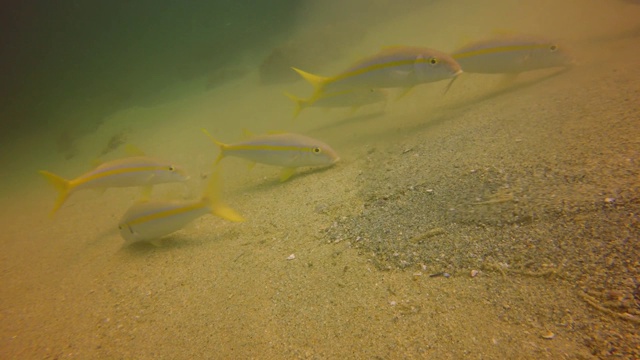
pixel 287 173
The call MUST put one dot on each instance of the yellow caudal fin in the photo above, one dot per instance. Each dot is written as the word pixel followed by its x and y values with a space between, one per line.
pixel 316 81
pixel 212 197
pixel 300 103
pixel 220 145
pixel 62 185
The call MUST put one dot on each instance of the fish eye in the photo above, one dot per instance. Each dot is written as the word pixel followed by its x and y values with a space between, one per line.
pixel 317 150
pixel 553 47
pixel 433 61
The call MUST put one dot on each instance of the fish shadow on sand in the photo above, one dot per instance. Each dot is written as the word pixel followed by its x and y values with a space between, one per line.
pixel 516 86
pixel 454 109
pixel 352 120
pixel 274 182
pixel 441 114
pixel 103 236
pixel 167 243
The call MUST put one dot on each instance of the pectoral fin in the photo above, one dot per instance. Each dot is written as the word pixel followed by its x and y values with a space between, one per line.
pixel 99 191
pixel 404 93
pixel 508 79
pixel 145 194
pixel 156 242
pixel 287 173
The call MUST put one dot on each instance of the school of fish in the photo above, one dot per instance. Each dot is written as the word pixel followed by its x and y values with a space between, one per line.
pixel 363 83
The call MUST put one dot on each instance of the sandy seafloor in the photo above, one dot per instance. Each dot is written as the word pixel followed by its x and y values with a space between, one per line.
pixel 534 185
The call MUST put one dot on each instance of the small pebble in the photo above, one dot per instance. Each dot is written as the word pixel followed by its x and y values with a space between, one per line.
pixel 549 335
pixel 291 257
pixel 474 273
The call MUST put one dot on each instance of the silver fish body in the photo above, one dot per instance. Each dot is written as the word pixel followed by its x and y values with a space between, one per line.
pixel 126 172
pixel 400 66
pixel 132 171
pixel 151 220
pixel 392 67
pixel 513 55
pixel 286 150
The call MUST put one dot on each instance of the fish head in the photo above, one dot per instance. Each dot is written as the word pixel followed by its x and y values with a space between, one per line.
pixel 321 154
pixel 128 233
pixel 433 66
pixel 170 172
pixel 550 55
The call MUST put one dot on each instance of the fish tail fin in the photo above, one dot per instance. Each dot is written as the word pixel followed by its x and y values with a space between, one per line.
pixel 221 146
pixel 212 198
pixel 300 103
pixel 318 83
pixel 219 158
pixel 315 80
pixel 63 187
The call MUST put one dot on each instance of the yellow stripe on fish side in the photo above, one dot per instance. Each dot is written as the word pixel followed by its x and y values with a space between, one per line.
pixel 499 49
pixel 272 148
pixel 119 171
pixel 165 214
pixel 383 66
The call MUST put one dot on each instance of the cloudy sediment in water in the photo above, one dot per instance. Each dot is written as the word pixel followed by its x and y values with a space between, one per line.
pixel 495 217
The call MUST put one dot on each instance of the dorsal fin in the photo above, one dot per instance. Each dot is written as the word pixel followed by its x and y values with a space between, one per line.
pixel 133 150
pixel 247 134
pixel 276 132
pixel 391 47
pixel 96 163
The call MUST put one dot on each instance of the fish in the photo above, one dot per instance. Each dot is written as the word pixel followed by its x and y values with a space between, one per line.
pixel 392 67
pixel 126 172
pixel 350 98
pixel 287 150
pixel 511 55
pixel 150 220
